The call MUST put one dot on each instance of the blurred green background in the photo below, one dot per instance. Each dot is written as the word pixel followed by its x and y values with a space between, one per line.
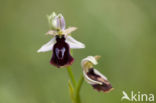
pixel 123 32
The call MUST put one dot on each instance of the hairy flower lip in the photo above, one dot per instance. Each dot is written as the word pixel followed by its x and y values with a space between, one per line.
pixel 61 53
pixel 104 84
pixel 92 76
pixel 59 66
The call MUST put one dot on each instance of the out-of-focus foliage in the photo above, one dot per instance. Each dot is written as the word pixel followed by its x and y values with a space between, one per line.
pixel 123 32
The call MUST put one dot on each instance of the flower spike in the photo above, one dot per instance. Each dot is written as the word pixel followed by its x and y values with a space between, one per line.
pixel 93 76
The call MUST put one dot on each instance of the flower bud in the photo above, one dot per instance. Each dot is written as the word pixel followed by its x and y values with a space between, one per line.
pixel 51 20
pixel 58 22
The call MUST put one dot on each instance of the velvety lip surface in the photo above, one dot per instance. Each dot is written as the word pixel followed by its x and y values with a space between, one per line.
pixel 61 53
pixel 105 86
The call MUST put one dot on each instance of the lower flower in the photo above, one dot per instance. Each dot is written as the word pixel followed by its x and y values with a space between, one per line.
pixel 98 81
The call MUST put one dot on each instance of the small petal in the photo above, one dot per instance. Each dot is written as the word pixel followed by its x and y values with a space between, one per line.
pixel 52 32
pixel 74 44
pixel 69 30
pixel 48 46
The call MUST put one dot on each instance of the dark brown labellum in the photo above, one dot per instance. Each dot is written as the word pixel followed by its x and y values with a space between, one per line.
pixel 105 86
pixel 61 53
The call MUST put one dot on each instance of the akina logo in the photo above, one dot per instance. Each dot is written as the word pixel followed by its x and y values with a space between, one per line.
pixel 137 96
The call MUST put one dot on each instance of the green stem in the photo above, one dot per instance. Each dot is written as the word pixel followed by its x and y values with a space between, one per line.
pixel 78 88
pixel 74 87
pixel 71 76
pixel 71 91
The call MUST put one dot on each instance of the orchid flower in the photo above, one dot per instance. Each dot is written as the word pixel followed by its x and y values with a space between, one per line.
pixel 93 76
pixel 61 41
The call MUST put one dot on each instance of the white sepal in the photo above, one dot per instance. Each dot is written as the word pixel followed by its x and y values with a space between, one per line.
pixel 100 74
pixel 48 46
pixel 74 44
